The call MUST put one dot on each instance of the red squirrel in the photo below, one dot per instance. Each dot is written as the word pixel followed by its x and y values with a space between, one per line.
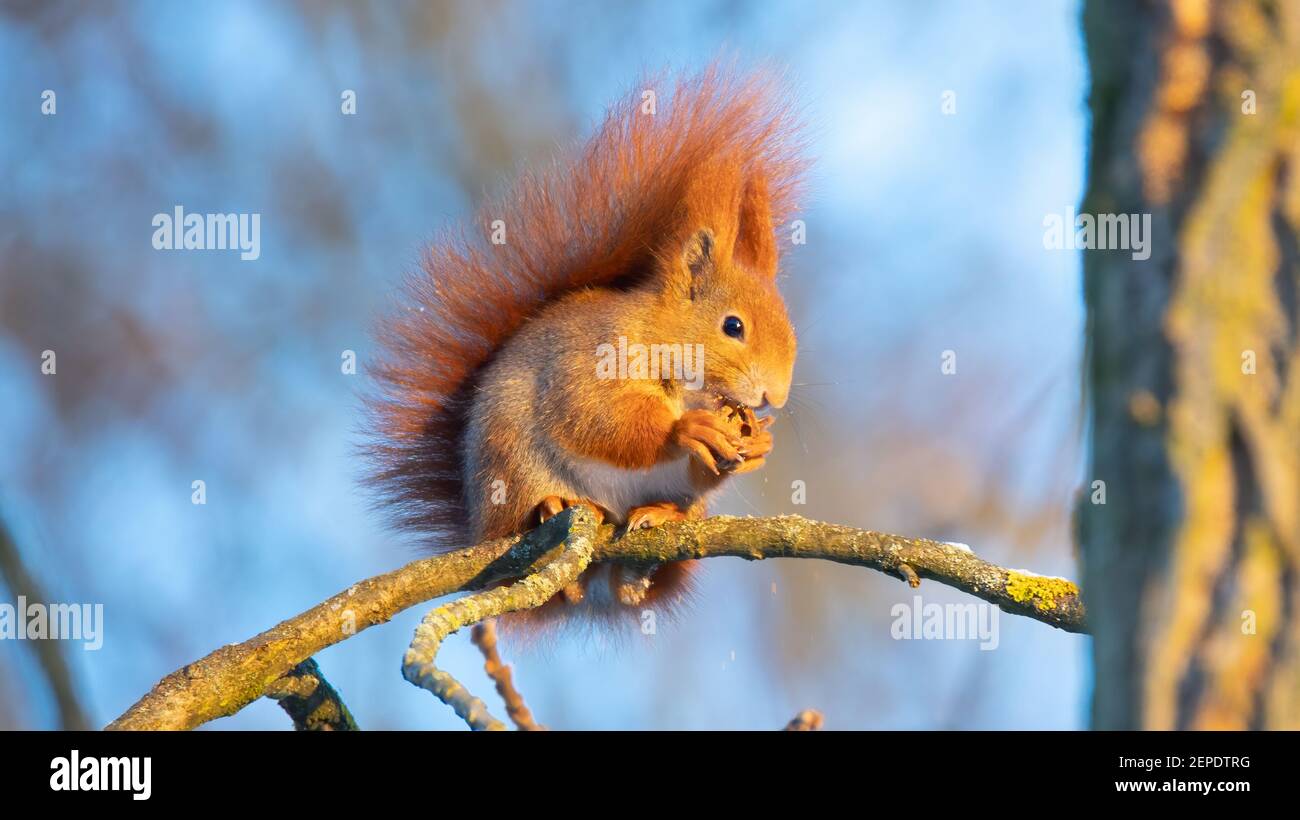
pixel 492 413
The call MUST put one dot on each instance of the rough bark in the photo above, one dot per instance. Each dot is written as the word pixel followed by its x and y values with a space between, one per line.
pixel 1198 542
pixel 535 589
pixel 232 677
pixel 310 701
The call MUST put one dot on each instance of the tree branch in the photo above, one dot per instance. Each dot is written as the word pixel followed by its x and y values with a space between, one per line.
pixel 533 591
pixel 484 637
pixel 235 675
pixel 809 720
pixel 310 701
pixel 232 677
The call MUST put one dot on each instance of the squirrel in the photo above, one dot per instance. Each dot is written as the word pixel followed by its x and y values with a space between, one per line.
pixel 492 412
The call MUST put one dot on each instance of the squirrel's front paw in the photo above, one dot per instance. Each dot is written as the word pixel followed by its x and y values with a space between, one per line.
pixel 755 443
pixel 710 438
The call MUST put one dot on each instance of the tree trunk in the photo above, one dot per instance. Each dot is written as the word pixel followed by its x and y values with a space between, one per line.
pixel 1191 566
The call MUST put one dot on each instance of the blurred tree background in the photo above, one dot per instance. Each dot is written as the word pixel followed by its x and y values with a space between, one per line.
pixel 1192 566
pixel 924 236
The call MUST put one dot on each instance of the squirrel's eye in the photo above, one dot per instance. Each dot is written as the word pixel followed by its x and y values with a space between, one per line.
pixel 733 327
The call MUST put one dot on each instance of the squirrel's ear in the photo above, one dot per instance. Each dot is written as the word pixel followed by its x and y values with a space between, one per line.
pixel 699 252
pixel 756 234
pixel 697 257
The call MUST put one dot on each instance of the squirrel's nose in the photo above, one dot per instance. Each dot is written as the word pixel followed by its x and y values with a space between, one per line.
pixel 769 401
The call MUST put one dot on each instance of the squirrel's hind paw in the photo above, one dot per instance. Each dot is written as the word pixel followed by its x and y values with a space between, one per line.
pixel 553 505
pixel 632 585
pixel 652 515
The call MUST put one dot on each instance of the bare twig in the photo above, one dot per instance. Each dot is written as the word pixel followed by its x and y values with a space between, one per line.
pixel 533 591
pixel 809 720
pixel 909 575
pixel 484 636
pixel 232 677
pixel 309 699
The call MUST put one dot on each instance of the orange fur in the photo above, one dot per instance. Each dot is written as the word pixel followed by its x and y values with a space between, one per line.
pixel 583 239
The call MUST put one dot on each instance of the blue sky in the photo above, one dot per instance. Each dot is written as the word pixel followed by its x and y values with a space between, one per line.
pixel 925 235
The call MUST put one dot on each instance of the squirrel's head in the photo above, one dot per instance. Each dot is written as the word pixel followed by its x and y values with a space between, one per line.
pixel 726 300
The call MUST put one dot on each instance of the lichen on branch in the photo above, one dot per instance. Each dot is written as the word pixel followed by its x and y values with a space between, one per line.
pixel 233 676
pixel 532 591
pixel 310 701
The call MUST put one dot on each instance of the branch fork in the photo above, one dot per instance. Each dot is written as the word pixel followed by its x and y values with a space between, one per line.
pixel 537 565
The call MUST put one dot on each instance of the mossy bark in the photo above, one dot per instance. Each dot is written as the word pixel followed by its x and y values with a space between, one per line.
pixel 310 701
pixel 1191 568
pixel 233 676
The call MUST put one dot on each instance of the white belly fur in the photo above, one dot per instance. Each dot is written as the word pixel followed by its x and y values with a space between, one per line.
pixel 619 490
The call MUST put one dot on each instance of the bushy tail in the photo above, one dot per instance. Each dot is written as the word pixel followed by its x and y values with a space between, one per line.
pixel 593 219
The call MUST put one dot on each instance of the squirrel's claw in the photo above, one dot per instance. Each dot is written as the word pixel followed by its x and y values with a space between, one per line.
pixel 708 437
pixel 755 447
pixel 750 465
pixel 652 515
pixel 702 453
pixel 548 508
pixel 553 505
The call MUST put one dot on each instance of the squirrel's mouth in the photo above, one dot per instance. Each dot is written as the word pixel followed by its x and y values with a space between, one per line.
pixel 725 400
pixel 722 401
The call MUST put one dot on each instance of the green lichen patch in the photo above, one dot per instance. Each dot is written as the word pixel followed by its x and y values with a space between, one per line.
pixel 1040 591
